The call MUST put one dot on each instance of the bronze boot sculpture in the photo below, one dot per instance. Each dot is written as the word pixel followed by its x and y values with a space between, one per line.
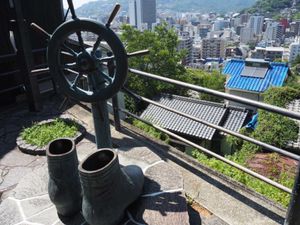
pixel 64 185
pixel 107 188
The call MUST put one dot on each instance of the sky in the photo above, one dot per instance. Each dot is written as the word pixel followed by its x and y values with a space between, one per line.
pixel 77 3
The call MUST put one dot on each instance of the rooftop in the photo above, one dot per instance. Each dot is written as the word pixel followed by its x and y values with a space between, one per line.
pixel 275 76
pixel 232 118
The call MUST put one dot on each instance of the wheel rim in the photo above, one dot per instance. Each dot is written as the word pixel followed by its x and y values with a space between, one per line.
pixel 87 60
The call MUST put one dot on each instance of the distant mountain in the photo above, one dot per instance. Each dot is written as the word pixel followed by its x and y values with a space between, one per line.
pixel 103 7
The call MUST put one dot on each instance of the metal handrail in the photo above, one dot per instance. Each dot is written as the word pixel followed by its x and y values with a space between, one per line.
pixel 236 134
pixel 292 216
pixel 223 159
pixel 270 108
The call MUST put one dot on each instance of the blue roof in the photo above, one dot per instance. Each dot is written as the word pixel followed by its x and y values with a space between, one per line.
pixel 275 76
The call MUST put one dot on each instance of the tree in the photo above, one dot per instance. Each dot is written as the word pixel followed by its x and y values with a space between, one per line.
pixel 296 61
pixel 213 80
pixel 162 60
pixel 273 128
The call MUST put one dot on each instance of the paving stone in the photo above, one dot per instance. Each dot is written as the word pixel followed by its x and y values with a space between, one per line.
pixel 167 209
pixel 3 172
pixel 33 206
pixel 84 149
pixel 13 176
pixel 33 184
pixel 17 158
pixel 139 153
pixel 162 177
pixel 213 220
pixel 9 212
pixel 46 217
pixel 10 138
pixel 39 161
pixel 125 161
pixel 2 131
pixel 12 128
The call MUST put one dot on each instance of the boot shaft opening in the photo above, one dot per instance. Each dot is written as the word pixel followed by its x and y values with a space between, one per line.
pixel 60 147
pixel 98 160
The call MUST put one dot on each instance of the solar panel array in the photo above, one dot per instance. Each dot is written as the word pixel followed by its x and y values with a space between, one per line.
pixel 259 72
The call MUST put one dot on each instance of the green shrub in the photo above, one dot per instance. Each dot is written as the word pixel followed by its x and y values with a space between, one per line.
pixel 255 184
pixel 151 130
pixel 41 134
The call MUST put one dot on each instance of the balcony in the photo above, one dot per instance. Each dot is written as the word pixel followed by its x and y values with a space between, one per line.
pixel 178 189
pixel 171 174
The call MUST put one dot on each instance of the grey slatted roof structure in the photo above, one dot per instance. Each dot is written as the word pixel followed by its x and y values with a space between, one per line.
pixel 216 113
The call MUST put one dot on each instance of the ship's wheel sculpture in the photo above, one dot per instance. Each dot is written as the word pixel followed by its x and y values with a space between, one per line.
pixel 88 61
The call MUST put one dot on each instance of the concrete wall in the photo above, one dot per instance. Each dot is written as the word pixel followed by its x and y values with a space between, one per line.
pixel 249 95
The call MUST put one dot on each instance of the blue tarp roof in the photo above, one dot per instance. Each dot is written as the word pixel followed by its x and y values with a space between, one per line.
pixel 275 76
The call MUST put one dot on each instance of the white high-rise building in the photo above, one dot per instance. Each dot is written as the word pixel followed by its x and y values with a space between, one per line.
pixel 294 50
pixel 256 23
pixel 186 43
pixel 142 13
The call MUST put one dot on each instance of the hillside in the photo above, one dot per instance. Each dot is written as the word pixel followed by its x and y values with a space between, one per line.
pixel 102 7
pixel 273 7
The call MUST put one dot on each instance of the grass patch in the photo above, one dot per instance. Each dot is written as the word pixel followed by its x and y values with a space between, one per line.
pixel 253 183
pixel 151 131
pixel 41 134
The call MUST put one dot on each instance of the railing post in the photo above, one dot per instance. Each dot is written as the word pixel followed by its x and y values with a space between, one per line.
pixel 293 215
pixel 115 105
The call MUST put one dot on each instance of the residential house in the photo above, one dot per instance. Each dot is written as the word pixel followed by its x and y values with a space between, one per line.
pixel 232 118
pixel 250 78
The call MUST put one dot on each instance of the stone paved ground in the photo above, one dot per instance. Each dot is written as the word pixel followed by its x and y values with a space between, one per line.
pixel 24 177
pixel 169 174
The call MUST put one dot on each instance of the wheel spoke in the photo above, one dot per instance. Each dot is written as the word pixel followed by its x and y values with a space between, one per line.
pixel 70 50
pixel 71 71
pixel 80 39
pixel 105 59
pixel 70 66
pixel 106 77
pixel 75 82
pixel 97 44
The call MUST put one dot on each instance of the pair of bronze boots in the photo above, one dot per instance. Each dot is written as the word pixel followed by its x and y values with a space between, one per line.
pixel 98 187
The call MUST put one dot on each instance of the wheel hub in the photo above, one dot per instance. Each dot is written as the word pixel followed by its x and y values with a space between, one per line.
pixel 86 63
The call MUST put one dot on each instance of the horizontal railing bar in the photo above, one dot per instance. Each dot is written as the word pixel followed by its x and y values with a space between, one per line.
pixel 10 73
pixel 236 134
pixel 11 55
pixel 223 159
pixel 40 66
pixel 235 98
pixel 39 50
pixel 39 71
pixel 11 88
